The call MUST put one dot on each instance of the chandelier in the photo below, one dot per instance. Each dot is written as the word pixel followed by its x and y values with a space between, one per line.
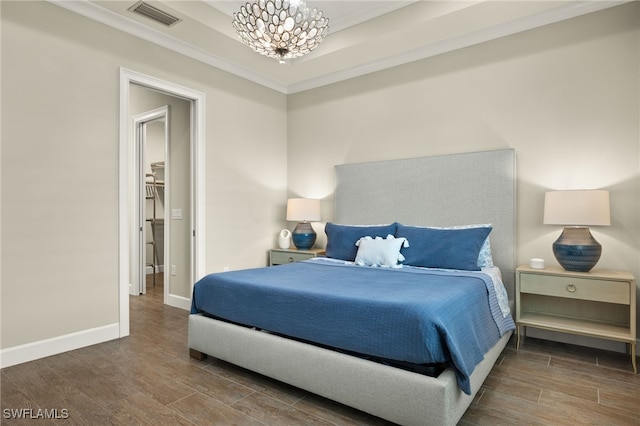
pixel 281 29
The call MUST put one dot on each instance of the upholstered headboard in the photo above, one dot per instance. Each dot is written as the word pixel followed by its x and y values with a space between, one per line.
pixel 458 189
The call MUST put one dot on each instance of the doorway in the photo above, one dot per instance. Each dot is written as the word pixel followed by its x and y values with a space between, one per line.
pixel 151 130
pixel 186 217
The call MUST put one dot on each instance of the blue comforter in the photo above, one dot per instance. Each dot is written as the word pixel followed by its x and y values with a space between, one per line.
pixel 413 315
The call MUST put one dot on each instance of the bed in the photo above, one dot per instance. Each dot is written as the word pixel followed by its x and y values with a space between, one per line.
pixel 414 196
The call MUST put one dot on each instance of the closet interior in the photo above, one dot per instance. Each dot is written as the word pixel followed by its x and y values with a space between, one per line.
pixel 154 208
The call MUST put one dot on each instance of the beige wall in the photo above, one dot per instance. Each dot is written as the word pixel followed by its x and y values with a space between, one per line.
pixel 565 97
pixel 60 88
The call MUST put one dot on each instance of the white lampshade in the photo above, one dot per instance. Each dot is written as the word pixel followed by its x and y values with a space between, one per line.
pixel 577 208
pixel 303 209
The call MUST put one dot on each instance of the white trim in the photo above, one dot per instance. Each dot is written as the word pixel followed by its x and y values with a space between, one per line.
pixel 197 99
pixel 451 44
pixel 100 14
pixel 56 345
pixel 198 118
pixel 124 285
pixel 138 245
pixel 179 302
pixel 148 270
pixel 566 11
pixel 574 339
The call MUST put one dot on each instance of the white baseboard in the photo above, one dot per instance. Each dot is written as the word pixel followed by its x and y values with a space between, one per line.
pixel 56 345
pixel 149 269
pixel 179 302
pixel 592 342
pixel 43 348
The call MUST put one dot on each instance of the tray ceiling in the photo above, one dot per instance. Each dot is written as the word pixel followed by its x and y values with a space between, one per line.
pixel 364 35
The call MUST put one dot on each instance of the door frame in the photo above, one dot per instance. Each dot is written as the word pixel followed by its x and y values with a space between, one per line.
pixel 139 252
pixel 126 184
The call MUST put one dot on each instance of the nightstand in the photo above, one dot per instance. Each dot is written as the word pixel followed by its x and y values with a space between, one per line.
pixel 280 256
pixel 599 303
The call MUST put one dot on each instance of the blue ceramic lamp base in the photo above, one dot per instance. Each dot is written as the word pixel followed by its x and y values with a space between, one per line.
pixel 576 249
pixel 303 236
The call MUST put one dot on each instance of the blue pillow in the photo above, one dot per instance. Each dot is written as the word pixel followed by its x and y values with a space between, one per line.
pixel 443 248
pixel 341 239
pixel 485 258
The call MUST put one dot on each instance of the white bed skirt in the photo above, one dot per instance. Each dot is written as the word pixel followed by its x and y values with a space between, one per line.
pixel 393 394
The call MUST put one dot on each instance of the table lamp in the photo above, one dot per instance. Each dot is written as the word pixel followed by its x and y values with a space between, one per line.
pixel 576 249
pixel 303 210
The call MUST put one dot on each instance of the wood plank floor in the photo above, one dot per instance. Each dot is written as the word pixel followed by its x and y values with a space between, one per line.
pixel 148 378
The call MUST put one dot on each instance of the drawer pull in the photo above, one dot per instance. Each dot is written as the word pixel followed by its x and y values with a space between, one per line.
pixel 571 288
pixel 290 259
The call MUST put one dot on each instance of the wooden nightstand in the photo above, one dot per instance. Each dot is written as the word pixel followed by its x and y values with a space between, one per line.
pixel 280 256
pixel 599 303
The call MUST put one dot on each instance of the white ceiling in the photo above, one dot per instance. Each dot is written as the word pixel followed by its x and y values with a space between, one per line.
pixel 364 35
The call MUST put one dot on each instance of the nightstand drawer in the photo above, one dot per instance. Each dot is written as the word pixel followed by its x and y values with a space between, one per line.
pixel 279 257
pixel 576 288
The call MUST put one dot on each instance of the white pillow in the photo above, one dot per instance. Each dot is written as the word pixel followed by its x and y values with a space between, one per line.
pixel 384 252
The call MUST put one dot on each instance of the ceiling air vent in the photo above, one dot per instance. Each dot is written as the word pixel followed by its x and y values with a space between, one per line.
pixel 154 13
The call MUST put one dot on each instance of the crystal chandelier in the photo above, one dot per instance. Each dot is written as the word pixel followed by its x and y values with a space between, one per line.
pixel 281 29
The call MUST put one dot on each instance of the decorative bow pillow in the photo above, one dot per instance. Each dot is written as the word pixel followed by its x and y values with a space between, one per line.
pixel 384 252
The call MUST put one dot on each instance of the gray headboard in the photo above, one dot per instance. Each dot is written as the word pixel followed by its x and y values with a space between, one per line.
pixel 445 190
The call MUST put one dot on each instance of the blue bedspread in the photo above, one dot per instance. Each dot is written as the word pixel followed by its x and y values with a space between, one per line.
pixel 409 314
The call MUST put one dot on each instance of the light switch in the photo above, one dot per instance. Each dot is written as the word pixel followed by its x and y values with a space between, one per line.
pixel 176 213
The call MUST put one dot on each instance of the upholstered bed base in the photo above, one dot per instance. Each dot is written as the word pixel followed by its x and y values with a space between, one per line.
pixel 393 394
pixel 445 190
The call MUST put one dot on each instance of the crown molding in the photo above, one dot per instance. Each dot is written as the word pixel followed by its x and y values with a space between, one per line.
pixel 550 16
pixel 547 17
pixel 130 26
